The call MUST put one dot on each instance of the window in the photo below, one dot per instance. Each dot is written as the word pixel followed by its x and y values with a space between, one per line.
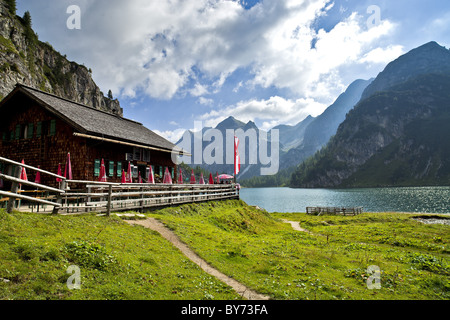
pixel 97 168
pixel 136 154
pixel 38 129
pixel 111 168
pixel 119 169
pixel 52 131
pixel 146 155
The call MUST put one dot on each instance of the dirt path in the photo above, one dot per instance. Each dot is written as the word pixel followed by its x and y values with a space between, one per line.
pixel 166 233
pixel 296 226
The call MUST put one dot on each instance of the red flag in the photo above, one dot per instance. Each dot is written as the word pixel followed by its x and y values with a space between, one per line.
pixel 151 177
pixel 193 177
pixel 68 169
pixel 237 158
pixel 38 176
pixel 59 173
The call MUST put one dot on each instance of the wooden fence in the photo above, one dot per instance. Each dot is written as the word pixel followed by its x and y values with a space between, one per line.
pixel 334 211
pixel 103 196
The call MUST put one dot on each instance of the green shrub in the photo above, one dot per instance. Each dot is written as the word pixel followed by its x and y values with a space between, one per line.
pixel 89 255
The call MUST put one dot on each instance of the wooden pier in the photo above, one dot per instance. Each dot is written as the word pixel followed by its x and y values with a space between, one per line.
pixel 334 211
pixel 104 197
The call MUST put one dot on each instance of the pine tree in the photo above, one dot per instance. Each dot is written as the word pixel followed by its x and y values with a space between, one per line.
pixel 29 33
pixel 27 20
pixel 110 95
pixel 12 6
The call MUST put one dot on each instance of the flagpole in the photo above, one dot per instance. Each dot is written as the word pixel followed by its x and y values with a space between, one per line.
pixel 235 158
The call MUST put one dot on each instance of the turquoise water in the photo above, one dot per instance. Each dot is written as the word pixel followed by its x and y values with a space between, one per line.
pixel 420 199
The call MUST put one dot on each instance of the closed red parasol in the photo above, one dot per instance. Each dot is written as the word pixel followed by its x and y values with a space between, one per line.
pixel 102 177
pixel 59 173
pixel 202 180
pixel 129 174
pixel 38 176
pixel 211 180
pixel 167 177
pixel 23 173
pixel 124 176
pixel 68 170
pixel 193 177
pixel 151 177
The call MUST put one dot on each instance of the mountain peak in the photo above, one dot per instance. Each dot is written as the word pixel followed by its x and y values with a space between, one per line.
pixel 428 58
pixel 230 123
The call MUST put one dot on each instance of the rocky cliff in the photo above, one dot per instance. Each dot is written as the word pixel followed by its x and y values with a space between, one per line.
pixel 26 60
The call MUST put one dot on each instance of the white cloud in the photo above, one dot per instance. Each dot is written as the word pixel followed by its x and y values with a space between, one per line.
pixel 199 90
pixel 271 112
pixel 173 136
pixel 163 48
pixel 158 46
pixel 382 55
pixel 205 101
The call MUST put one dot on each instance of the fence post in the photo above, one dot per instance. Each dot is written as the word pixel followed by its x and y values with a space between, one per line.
pixel 14 189
pixel 108 209
pixel 59 197
pixel 141 204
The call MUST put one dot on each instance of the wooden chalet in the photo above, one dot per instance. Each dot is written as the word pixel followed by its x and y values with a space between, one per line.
pixel 42 129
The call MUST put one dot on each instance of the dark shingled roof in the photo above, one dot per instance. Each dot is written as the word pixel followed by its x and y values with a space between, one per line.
pixel 98 123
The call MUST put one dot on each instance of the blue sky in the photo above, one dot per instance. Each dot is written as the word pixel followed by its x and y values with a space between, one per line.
pixel 173 62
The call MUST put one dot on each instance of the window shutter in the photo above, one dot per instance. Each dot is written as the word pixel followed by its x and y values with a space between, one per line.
pixel 119 169
pixel 30 131
pixel 111 168
pixel 18 130
pixel 38 129
pixel 52 127
pixel 97 168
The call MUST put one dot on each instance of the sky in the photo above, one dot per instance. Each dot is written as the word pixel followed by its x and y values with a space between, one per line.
pixel 172 63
